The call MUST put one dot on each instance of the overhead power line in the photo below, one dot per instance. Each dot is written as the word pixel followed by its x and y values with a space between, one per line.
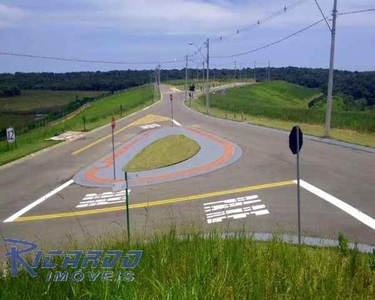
pixel 92 61
pixel 271 44
pixel 261 21
pixel 356 11
pixel 257 23
pixel 325 18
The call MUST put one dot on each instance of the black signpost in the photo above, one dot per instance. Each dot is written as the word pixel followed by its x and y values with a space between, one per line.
pixel 295 145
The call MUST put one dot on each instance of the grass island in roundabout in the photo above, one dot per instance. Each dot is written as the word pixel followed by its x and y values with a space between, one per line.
pixel 161 155
pixel 165 152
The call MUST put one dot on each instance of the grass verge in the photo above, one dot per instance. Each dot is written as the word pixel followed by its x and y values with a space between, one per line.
pixel 344 135
pixel 212 267
pixel 164 152
pixel 288 102
pixel 96 115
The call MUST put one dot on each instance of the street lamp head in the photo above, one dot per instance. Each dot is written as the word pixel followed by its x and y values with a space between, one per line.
pixel 191 43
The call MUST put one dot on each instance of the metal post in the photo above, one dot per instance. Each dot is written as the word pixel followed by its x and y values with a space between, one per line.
pixel 186 77
pixel 330 77
pixel 235 70
pixel 298 190
pixel 127 203
pixel 208 79
pixel 254 72
pixel 113 155
pixel 172 112
pixel 121 110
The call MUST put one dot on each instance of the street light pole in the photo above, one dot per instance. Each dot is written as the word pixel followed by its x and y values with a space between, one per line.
pixel 330 77
pixel 186 77
pixel 208 78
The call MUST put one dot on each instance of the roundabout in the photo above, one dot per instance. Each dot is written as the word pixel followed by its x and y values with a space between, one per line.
pixel 214 153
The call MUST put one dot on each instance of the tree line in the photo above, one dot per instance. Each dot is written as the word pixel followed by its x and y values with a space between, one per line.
pixel 356 88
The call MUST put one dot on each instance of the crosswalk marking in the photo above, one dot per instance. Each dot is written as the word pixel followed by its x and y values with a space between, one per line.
pixel 106 198
pixel 235 208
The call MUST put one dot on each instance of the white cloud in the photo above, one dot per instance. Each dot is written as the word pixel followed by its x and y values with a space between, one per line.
pixel 211 18
pixel 11 16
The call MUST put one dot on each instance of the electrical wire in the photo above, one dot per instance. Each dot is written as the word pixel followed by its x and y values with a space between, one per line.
pixel 271 44
pixel 91 61
pixel 356 11
pixel 261 21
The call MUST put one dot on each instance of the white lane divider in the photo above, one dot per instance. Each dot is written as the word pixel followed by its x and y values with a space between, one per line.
pixel 360 216
pixel 236 208
pixel 176 123
pixel 102 199
pixel 37 202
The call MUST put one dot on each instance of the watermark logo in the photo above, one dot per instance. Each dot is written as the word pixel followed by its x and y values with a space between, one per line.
pixel 101 261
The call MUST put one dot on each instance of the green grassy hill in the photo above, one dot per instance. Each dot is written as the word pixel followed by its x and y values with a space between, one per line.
pixel 275 93
pixel 279 100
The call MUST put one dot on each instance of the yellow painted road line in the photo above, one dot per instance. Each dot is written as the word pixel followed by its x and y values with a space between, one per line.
pixel 145 120
pixel 155 203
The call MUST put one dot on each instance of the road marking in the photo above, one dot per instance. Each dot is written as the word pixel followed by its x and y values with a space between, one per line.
pixel 145 120
pixel 102 199
pixel 360 216
pixel 155 203
pixel 37 202
pixel 175 122
pixel 218 211
pixel 150 126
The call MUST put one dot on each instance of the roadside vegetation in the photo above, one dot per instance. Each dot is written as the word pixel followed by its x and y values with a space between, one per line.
pixel 22 110
pixel 180 84
pixel 164 152
pixel 196 266
pixel 97 114
pixel 281 105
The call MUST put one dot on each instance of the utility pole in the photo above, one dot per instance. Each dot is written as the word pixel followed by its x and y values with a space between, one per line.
pixel 186 77
pixel 202 73
pixel 235 70
pixel 330 77
pixel 269 71
pixel 159 74
pixel 255 79
pixel 208 78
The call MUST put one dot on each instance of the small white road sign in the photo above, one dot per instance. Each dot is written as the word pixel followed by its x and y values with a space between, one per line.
pixel 11 135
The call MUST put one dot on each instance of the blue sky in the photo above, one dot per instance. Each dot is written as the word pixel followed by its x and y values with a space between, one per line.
pixel 160 30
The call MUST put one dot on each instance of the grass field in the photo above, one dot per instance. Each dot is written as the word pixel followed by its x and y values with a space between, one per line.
pixel 21 110
pixel 97 114
pixel 42 100
pixel 212 267
pixel 345 135
pixel 164 152
pixel 280 100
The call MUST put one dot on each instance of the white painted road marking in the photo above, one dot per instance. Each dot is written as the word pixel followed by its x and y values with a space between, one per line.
pixel 234 208
pixel 360 216
pixel 176 123
pixel 150 126
pixel 37 202
pixel 102 199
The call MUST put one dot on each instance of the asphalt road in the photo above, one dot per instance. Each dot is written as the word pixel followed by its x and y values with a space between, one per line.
pixel 264 171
